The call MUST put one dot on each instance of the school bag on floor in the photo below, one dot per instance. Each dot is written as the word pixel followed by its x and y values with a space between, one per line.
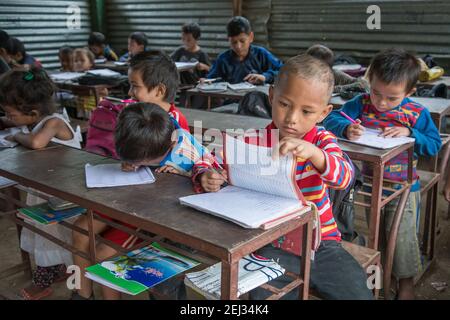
pixel 255 103
pixel 102 124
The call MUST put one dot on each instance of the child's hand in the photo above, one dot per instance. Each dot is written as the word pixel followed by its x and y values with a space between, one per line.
pixel 202 67
pixel 128 167
pixel 255 78
pixel 212 180
pixel 298 147
pixel 10 138
pixel 355 130
pixel 393 132
pixel 167 169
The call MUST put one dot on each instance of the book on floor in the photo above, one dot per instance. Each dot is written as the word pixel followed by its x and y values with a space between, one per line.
pixel 111 175
pixel 43 214
pixel 372 138
pixel 139 270
pixel 254 270
pixel 262 190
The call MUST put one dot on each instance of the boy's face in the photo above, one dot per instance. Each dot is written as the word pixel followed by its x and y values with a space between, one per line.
pixel 385 96
pixel 134 48
pixel 16 57
pixel 240 44
pixel 189 41
pixel 97 49
pixel 66 61
pixel 140 92
pixel 19 118
pixel 81 62
pixel 298 105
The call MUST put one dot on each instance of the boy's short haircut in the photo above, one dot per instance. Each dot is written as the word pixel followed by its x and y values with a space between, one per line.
pixel 140 38
pixel 395 66
pixel 156 68
pixel 87 52
pixel 96 39
pixel 321 52
pixel 65 50
pixel 16 46
pixel 238 25
pixel 192 28
pixel 4 40
pixel 143 132
pixel 27 91
pixel 308 68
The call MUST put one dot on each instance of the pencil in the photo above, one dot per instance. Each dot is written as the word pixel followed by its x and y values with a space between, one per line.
pixel 347 117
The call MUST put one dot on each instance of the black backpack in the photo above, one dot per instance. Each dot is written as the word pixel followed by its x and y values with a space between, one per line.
pixel 437 91
pixel 343 206
pixel 255 103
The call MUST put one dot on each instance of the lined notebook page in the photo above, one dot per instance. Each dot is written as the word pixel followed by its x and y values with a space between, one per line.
pixel 247 208
pixel 252 167
pixel 372 139
pixel 111 175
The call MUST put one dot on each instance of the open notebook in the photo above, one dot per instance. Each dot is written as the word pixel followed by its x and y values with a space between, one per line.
pixel 111 175
pixel 372 138
pixel 262 192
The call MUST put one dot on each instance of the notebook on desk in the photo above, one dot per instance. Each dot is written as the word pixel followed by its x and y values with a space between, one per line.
pixel 243 86
pixel 213 87
pixel 111 175
pixel 372 138
pixel 10 131
pixel 262 193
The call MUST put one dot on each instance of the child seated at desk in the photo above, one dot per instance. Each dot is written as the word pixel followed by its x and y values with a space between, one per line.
pixel 191 52
pixel 137 43
pixel 4 56
pixel 146 135
pixel 27 99
pixel 21 60
pixel 97 45
pixel 299 100
pixel 244 61
pixel 65 56
pixel 393 76
pixel 342 81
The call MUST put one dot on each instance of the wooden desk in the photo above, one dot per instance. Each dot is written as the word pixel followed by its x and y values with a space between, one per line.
pixel 124 68
pixel 228 94
pixel 429 84
pixel 59 171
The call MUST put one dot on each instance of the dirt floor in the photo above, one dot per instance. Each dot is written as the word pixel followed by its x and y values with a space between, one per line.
pixel 438 272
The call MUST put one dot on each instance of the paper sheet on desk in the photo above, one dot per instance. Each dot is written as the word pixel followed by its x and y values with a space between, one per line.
pixel 111 175
pixel 104 73
pixel 372 138
pixel 66 76
pixel 10 131
pixel 185 65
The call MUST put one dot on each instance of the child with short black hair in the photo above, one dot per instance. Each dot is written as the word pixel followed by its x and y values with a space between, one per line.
pixel 97 44
pixel 145 135
pixel 20 58
pixel 191 52
pixel 27 99
pixel 137 43
pixel 393 76
pixel 342 81
pixel 300 99
pixel 65 56
pixel 244 61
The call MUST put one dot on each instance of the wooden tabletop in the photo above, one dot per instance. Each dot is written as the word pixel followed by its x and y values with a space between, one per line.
pixel 228 94
pixel 428 84
pixel 59 170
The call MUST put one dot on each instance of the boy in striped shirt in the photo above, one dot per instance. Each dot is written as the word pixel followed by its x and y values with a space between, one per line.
pixel 299 100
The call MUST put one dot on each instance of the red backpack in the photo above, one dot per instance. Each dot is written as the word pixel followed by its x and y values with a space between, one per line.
pixel 102 124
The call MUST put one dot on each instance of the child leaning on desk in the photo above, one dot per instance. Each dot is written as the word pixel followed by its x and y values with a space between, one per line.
pixel 27 99
pixel 146 135
pixel 299 99
pixel 393 75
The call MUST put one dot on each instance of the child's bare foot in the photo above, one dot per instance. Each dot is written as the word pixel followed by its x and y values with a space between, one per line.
pixel 34 292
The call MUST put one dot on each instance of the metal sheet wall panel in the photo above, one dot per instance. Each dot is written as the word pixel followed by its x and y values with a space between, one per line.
pixel 162 20
pixel 42 26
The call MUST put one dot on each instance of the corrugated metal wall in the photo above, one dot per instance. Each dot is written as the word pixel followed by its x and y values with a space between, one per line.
pixel 422 26
pixel 258 12
pixel 162 20
pixel 41 25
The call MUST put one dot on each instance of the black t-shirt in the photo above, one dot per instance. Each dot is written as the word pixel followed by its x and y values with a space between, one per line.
pixel 182 55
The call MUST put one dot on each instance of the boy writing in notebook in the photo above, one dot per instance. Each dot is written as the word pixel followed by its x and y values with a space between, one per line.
pixel 393 75
pixel 299 99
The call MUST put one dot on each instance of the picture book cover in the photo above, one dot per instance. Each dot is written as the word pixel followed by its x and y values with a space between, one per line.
pixel 43 214
pixel 140 269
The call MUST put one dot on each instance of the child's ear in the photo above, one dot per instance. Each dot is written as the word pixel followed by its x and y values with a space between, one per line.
pixel 413 90
pixel 35 113
pixel 271 93
pixel 251 36
pixel 326 111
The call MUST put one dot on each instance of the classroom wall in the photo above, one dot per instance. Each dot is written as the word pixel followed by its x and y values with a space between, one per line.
pixel 41 25
pixel 162 21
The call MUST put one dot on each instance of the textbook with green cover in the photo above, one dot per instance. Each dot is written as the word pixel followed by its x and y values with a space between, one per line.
pixel 43 214
pixel 139 270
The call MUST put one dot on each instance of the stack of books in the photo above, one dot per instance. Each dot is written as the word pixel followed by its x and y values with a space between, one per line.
pixel 45 215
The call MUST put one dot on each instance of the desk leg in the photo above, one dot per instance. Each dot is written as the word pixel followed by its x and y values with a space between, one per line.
pixel 305 267
pixel 375 211
pixel 433 221
pixel 92 251
pixel 188 100
pixel 229 280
